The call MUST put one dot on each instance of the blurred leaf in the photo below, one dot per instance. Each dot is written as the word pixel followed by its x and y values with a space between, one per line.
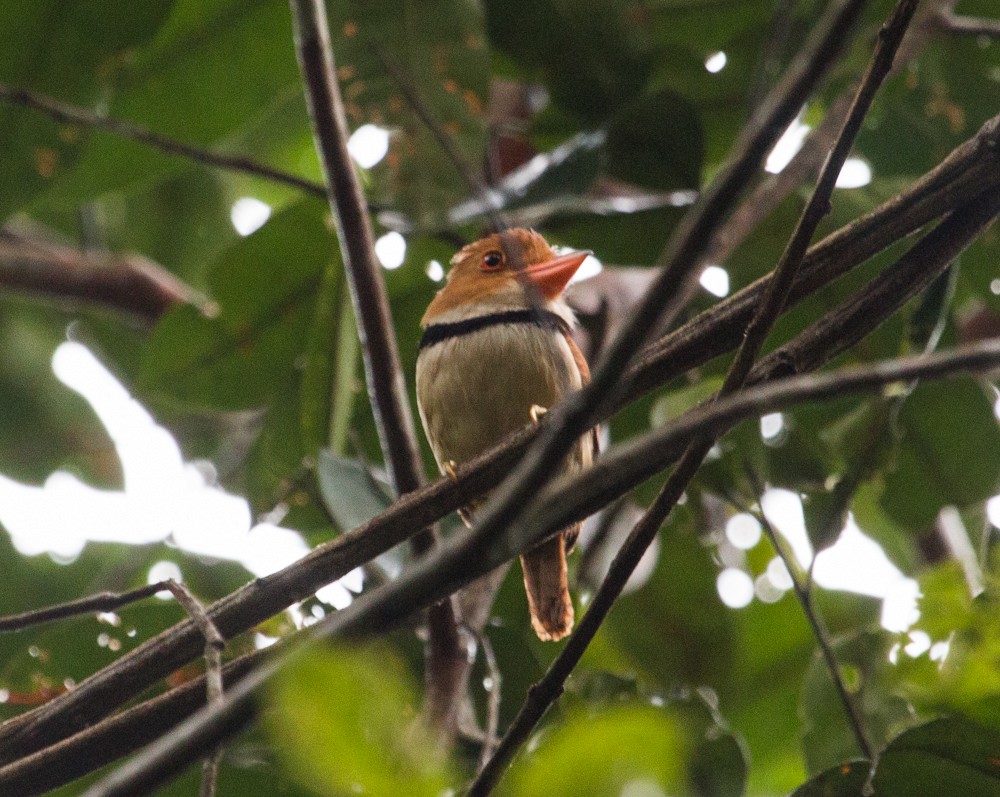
pixel 662 609
pixel 827 736
pixel 349 491
pixel 445 61
pixel 593 56
pixel 949 452
pixel 265 286
pixel 244 47
pixel 675 403
pixel 844 780
pixel 345 720
pixel 656 142
pixel 331 360
pixel 73 52
pixel 607 752
pixel 957 757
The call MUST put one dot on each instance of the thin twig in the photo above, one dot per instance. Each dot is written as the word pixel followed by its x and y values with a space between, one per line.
pixel 214 645
pixel 71 114
pixel 969 26
pixel 954 185
pixel 477 187
pixel 803 591
pixel 383 369
pixel 458 562
pixel 493 700
pixel 550 687
pixel 100 602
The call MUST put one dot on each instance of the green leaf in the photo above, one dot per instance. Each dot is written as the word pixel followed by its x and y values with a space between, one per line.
pixel 949 453
pixel 215 67
pixel 656 141
pixel 331 360
pixel 960 760
pixel 827 736
pixel 594 55
pixel 265 286
pixel 610 752
pixel 844 780
pixel 345 720
pixel 70 51
pixel 350 492
pixel 445 61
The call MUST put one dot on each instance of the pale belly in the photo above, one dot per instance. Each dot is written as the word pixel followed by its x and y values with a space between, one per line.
pixel 474 390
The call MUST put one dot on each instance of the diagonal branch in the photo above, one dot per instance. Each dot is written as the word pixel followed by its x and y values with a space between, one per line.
pixel 127 283
pixel 71 114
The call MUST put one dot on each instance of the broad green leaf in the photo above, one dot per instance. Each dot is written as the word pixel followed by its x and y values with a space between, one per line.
pixel 656 141
pixel 606 754
pixel 345 720
pixel 265 286
pixel 827 735
pixel 593 56
pixel 949 452
pixel 350 492
pixel 439 48
pixel 214 68
pixel 946 757
pixel 73 52
pixel 844 780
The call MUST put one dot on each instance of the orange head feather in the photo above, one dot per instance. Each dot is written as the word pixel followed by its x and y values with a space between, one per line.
pixel 490 272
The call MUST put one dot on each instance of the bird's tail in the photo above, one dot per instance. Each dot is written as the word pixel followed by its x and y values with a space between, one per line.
pixel 548 591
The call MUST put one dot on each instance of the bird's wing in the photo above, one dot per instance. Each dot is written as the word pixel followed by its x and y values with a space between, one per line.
pixel 584 368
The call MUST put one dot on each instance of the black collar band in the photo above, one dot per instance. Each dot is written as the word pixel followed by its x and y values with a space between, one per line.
pixel 436 333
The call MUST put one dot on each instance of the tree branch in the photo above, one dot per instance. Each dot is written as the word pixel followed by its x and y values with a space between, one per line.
pixel 71 114
pixel 127 283
pixel 383 370
pixel 969 26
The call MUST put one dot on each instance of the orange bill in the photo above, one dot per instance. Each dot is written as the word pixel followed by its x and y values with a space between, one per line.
pixel 552 276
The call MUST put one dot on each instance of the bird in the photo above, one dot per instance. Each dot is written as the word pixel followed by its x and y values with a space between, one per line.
pixel 496 351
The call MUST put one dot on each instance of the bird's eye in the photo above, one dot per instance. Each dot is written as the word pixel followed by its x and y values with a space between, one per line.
pixel 492 261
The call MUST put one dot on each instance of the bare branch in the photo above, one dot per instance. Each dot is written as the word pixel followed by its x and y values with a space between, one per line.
pixel 101 602
pixel 126 283
pixel 71 114
pixel 803 593
pixel 969 26
pixel 383 370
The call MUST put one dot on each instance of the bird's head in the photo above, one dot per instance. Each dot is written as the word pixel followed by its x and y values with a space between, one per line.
pixel 502 271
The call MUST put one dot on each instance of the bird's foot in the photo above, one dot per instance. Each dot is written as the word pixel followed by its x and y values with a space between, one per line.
pixel 536 412
pixel 450 469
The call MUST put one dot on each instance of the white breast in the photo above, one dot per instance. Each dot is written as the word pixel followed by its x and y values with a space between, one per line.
pixel 475 389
